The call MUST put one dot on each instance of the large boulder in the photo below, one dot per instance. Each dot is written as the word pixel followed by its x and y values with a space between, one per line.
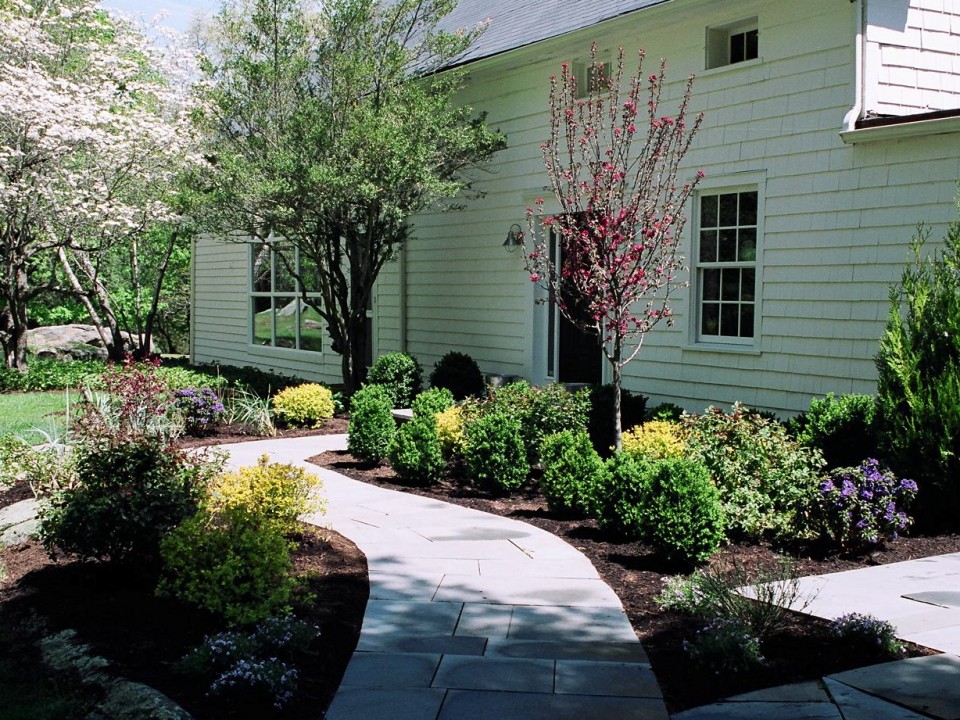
pixel 67 342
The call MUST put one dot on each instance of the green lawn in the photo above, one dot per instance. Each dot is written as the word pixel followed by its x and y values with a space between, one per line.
pixel 20 413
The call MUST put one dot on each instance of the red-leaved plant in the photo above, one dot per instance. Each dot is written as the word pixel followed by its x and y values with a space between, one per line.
pixel 612 170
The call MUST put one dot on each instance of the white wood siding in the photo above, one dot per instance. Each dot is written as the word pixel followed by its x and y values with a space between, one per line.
pixel 912 56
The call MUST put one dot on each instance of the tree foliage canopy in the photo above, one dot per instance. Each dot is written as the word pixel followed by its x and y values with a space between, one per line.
pixel 330 127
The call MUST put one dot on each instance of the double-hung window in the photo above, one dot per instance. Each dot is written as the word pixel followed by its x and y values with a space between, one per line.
pixel 726 268
pixel 279 316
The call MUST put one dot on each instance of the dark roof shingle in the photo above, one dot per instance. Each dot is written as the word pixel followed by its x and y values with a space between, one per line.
pixel 515 23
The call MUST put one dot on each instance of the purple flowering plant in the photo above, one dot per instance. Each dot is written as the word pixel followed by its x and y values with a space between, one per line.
pixel 201 409
pixel 861 507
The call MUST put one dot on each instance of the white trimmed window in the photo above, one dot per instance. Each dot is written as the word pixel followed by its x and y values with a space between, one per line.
pixel 733 43
pixel 589 76
pixel 278 315
pixel 726 267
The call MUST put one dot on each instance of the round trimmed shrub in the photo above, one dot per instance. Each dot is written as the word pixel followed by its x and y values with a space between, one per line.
pixel 306 404
pixel 682 514
pixel 432 402
pixel 841 426
pixel 668 412
pixel 401 374
pixel 371 426
pixel 229 566
pixel 495 457
pixel 572 470
pixel 618 500
pixel 459 373
pixel 415 451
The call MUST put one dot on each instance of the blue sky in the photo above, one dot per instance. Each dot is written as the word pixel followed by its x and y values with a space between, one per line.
pixel 180 12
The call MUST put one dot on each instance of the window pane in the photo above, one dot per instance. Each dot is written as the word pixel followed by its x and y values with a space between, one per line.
pixel 708 211
pixel 728 245
pixel 730 289
pixel 710 319
pixel 708 246
pixel 748 284
pixel 747 247
pixel 752 45
pixel 746 321
pixel 728 210
pixel 286 319
pixel 309 274
pixel 282 280
pixel 737 47
pixel 711 284
pixel 748 208
pixel 260 275
pixel 729 320
pixel 262 321
pixel 311 330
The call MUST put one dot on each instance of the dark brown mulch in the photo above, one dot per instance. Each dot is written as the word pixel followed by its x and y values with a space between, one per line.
pixel 228 434
pixel 805 651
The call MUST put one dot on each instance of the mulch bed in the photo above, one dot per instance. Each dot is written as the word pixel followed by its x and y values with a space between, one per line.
pixel 804 651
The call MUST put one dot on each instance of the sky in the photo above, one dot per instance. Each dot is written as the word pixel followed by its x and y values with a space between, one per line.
pixel 179 12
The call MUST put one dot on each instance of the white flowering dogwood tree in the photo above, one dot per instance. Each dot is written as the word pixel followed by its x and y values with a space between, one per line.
pixel 94 129
pixel 612 162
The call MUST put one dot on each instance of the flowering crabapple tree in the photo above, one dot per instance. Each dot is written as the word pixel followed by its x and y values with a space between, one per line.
pixel 612 170
pixel 95 127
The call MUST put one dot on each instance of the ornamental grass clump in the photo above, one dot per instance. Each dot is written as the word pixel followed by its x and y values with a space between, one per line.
pixel 308 404
pixel 864 506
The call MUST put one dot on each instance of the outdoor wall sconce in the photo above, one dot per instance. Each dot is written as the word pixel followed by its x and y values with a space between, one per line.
pixel 514 238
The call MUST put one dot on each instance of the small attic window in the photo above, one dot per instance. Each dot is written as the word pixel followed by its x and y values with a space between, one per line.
pixel 589 76
pixel 734 43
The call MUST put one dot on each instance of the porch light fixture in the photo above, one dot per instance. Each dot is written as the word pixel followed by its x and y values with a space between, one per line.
pixel 514 238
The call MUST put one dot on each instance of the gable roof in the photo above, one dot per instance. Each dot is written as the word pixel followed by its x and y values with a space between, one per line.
pixel 516 23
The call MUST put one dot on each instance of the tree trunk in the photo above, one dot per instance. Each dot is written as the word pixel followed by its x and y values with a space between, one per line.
pixel 617 379
pixel 13 322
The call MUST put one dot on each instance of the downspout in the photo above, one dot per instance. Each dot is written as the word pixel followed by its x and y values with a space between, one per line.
pixel 855 112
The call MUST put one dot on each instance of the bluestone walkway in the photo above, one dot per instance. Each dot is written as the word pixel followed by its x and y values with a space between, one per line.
pixel 473 616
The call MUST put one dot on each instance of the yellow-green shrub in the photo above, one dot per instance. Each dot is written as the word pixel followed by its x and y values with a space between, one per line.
pixel 273 494
pixel 450 430
pixel 655 440
pixel 307 404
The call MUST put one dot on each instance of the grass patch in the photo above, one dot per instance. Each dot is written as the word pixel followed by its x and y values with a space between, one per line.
pixel 22 413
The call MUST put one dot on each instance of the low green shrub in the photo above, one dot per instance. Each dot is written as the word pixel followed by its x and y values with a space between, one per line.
pixel 767 481
pixel 842 427
pixel 618 500
pixel 49 374
pixel 864 506
pixel 665 412
pixel 255 380
pixel 125 499
pixel 655 440
pixel 572 470
pixel 682 515
pixel 432 402
pixel 600 423
pixel 229 566
pixel 178 378
pixel 415 452
pixel 371 426
pixel 494 455
pixel 459 373
pixel 304 405
pixel 401 374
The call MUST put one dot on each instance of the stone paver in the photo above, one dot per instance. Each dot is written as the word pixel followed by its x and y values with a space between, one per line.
pixel 473 615
pixel 18 522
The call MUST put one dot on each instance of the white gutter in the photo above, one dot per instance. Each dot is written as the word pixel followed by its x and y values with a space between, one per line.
pixel 850 120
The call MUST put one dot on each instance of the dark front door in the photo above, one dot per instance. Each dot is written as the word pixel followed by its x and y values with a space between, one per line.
pixel 580 359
